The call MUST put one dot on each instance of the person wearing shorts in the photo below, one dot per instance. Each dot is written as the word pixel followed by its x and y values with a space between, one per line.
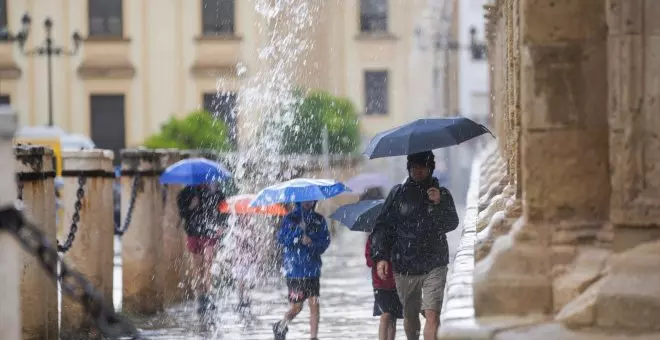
pixel 203 224
pixel 304 236
pixel 387 305
pixel 410 231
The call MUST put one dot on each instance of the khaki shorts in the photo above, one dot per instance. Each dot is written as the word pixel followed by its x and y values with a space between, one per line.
pixel 421 292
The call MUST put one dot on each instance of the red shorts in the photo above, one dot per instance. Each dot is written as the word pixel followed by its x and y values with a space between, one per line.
pixel 198 245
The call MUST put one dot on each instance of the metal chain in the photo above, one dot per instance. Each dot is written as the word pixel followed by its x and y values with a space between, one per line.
pixel 19 186
pixel 129 213
pixel 80 194
pixel 73 284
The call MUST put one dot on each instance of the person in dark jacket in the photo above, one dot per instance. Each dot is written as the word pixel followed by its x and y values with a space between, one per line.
pixel 204 226
pixel 305 237
pixel 386 301
pixel 410 232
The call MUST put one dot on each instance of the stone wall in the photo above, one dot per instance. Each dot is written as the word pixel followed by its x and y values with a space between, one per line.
pixel 568 228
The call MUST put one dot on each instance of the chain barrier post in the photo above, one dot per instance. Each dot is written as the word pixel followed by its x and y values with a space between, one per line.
pixel 90 212
pixel 142 241
pixel 173 238
pixel 36 173
pixel 10 259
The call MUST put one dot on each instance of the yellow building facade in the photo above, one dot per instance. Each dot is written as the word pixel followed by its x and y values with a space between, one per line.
pixel 140 62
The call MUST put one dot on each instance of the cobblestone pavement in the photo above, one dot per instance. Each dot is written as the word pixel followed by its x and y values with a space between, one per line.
pixel 346 304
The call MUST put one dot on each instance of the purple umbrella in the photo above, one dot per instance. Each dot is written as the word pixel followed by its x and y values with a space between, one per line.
pixel 360 183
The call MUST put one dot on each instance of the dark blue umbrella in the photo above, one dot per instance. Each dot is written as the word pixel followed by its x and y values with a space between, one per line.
pixel 360 216
pixel 423 135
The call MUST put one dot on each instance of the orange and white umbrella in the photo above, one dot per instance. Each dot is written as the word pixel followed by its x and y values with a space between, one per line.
pixel 240 204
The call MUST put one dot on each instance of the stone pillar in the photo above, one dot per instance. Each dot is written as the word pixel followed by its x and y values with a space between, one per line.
pixel 634 121
pixel 10 250
pixel 92 251
pixel 508 208
pixel 173 238
pixel 142 243
pixel 564 156
pixel 622 291
pixel 36 172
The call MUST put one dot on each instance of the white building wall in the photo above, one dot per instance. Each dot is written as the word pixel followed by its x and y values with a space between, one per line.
pixel 473 74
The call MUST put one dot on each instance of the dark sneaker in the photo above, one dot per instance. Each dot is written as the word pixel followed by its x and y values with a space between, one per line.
pixel 204 304
pixel 245 303
pixel 280 334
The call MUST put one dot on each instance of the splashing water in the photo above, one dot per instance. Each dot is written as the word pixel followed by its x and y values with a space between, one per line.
pixel 266 107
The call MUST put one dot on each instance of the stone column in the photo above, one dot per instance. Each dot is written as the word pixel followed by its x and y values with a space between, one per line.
pixel 564 156
pixel 508 208
pixel 36 171
pixel 634 42
pixel 623 292
pixel 173 238
pixel 10 250
pixel 92 250
pixel 142 243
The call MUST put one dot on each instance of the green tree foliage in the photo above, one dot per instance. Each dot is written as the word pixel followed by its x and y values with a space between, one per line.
pixel 319 109
pixel 198 130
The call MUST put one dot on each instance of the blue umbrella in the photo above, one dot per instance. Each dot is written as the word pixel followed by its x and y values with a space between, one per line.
pixel 423 135
pixel 299 190
pixel 194 171
pixel 360 216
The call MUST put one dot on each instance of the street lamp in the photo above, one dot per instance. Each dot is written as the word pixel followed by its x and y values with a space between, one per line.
pixel 46 48
pixel 478 48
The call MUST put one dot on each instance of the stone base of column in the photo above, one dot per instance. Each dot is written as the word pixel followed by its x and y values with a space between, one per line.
pixel 496 204
pixel 499 225
pixel 624 294
pixel 514 278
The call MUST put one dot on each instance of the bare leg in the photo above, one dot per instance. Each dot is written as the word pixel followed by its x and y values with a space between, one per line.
pixel 294 310
pixel 384 326
pixel 195 282
pixel 314 316
pixel 412 326
pixel 432 324
pixel 207 260
pixel 391 329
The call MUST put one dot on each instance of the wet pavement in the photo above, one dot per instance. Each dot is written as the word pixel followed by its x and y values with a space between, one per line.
pixel 346 303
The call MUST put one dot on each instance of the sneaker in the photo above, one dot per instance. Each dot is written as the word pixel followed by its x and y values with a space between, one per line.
pixel 204 304
pixel 280 334
pixel 245 303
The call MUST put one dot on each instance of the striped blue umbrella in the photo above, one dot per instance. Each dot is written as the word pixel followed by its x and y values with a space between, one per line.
pixel 299 190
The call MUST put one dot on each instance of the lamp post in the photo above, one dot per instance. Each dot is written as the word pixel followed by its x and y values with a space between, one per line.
pixel 47 48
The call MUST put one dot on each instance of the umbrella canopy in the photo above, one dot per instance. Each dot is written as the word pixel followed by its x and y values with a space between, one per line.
pixel 364 181
pixel 360 216
pixel 299 190
pixel 423 135
pixel 67 141
pixel 194 171
pixel 240 204
pixel 76 141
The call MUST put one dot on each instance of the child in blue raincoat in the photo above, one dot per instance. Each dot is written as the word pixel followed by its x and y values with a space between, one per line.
pixel 304 237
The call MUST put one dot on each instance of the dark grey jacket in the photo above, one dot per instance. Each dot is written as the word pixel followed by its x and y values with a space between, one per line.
pixel 410 230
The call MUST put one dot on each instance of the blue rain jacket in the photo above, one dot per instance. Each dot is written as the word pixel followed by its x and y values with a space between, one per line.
pixel 303 261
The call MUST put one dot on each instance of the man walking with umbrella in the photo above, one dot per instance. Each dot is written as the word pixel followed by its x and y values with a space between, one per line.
pixel 410 232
